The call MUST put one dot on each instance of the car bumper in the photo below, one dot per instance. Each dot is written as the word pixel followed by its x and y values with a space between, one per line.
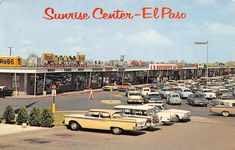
pixel 136 128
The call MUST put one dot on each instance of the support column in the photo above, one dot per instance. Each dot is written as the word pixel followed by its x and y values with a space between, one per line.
pixel 16 88
pixel 35 84
pixel 25 83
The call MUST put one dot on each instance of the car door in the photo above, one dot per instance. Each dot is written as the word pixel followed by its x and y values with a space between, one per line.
pixel 233 108
pixel 94 121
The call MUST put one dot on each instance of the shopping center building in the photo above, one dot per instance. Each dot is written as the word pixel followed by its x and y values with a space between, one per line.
pixel 37 80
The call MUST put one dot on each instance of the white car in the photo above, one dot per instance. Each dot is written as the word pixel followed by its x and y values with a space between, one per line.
pixel 209 94
pixel 141 111
pixel 185 92
pixel 145 91
pixel 180 114
pixel 165 92
pixel 134 97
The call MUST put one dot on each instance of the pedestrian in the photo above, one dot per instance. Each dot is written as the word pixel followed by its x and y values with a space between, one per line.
pixel 91 94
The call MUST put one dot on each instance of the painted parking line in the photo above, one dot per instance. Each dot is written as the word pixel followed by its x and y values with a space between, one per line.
pixel 118 95
pixel 111 102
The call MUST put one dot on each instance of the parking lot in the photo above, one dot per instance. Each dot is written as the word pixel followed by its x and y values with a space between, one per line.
pixel 200 134
pixel 81 102
pixel 204 131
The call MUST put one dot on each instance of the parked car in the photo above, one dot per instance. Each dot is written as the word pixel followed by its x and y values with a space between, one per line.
pixel 104 119
pixel 155 85
pixel 164 92
pixel 185 92
pixel 1 94
pixel 228 95
pixel 220 91
pixel 134 97
pixel 215 102
pixel 173 98
pixel 145 91
pixel 124 86
pixel 110 87
pixel 6 91
pixel 141 111
pixel 226 109
pixel 197 99
pixel 181 115
pixel 130 89
pixel 153 97
pixel 209 94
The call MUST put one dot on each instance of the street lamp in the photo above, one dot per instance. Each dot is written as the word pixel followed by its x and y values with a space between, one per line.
pixel 205 43
pixel 10 48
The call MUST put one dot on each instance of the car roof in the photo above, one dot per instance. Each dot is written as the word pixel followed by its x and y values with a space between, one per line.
pixel 139 107
pixel 153 93
pixel 2 87
pixel 134 92
pixel 110 111
pixel 230 101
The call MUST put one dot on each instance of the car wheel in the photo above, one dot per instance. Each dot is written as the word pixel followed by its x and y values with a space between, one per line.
pixel 74 126
pixel 205 105
pixel 177 119
pixel 116 130
pixel 225 113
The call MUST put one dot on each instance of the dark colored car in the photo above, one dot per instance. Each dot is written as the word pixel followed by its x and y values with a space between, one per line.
pixel 6 91
pixel 153 98
pixel 1 94
pixel 197 100
pixel 155 85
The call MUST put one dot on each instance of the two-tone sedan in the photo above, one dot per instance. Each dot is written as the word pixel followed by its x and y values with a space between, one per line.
pixel 197 100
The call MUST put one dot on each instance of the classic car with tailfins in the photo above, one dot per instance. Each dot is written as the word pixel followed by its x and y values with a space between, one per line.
pixel 226 108
pixel 181 115
pixel 141 111
pixel 104 119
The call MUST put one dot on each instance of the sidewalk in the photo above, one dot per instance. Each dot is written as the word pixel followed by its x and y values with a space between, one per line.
pixel 12 129
pixel 49 95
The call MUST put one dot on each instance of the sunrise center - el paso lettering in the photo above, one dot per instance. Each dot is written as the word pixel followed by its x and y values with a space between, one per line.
pixel 118 14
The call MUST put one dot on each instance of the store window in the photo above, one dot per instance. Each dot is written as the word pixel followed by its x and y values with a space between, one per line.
pixel 17 83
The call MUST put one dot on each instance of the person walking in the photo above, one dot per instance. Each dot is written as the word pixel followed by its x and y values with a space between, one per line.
pixel 91 94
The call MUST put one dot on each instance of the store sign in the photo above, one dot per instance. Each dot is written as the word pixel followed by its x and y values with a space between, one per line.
pixel 162 66
pixel 81 57
pixel 47 57
pixel 10 61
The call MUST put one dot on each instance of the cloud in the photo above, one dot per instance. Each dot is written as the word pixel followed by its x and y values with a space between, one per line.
pixel 220 29
pixel 207 2
pixel 148 38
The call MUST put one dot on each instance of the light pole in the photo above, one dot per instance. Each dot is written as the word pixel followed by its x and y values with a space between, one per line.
pixel 10 48
pixel 205 43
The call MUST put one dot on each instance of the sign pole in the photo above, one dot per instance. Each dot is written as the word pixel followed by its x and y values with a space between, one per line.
pixel 53 93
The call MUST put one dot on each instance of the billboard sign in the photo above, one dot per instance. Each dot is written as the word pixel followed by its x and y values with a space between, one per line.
pixel 8 61
pixel 162 66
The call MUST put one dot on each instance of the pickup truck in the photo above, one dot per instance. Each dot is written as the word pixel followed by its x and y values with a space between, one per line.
pixel 104 119
pixel 226 108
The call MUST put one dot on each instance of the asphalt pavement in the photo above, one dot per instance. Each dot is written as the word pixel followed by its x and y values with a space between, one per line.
pixel 81 102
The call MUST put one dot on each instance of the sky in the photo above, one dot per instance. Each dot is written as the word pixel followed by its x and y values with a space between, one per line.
pixel 23 27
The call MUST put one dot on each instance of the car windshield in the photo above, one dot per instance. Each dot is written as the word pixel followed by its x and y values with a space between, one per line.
pixel 166 106
pixel 146 89
pixel 187 90
pixel 208 90
pixel 154 95
pixel 134 94
pixel 175 95
pixel 132 89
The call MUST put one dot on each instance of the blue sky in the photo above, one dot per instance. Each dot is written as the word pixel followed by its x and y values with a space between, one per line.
pixel 22 26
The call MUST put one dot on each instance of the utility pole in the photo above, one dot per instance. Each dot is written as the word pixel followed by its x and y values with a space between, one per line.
pixel 10 49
